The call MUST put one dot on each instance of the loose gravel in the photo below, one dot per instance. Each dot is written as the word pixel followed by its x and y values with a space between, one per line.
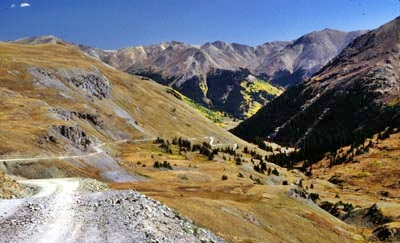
pixel 109 216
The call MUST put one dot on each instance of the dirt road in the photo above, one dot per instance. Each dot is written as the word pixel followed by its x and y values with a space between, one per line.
pixel 59 212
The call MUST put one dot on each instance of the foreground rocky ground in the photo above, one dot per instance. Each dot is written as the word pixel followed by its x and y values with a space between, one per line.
pixel 9 188
pixel 70 215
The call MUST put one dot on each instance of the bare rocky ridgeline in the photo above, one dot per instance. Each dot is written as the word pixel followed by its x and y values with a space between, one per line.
pixel 283 61
pixel 110 216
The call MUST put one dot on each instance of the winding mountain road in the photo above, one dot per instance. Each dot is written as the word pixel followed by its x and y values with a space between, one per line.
pixel 97 149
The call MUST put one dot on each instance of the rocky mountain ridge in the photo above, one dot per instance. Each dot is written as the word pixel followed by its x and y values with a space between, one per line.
pixel 214 74
pixel 201 71
pixel 182 61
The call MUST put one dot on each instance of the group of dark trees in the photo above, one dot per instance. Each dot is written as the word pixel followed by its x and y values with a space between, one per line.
pixel 205 149
pixel 261 144
pixel 228 150
pixel 261 166
pixel 341 157
pixel 253 153
pixel 185 146
pixel 165 165
pixel 166 145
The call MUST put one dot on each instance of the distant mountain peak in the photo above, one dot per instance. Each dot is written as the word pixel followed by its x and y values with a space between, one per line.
pixel 46 39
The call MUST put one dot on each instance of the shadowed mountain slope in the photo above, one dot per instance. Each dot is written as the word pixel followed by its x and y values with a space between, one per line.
pixel 353 97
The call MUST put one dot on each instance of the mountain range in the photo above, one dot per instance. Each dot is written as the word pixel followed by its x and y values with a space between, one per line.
pixel 233 78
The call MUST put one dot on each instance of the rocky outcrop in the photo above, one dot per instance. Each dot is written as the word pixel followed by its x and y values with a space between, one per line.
pixel 75 135
pixel 46 78
pixel 387 233
pixel 92 82
pixel 371 217
pixel 68 115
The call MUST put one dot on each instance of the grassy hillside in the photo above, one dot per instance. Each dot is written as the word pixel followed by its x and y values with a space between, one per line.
pixel 37 90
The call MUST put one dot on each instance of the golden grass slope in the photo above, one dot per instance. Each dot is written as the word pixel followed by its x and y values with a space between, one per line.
pixel 24 104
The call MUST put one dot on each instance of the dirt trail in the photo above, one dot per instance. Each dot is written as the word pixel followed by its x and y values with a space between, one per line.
pixel 48 187
pixel 97 149
pixel 61 213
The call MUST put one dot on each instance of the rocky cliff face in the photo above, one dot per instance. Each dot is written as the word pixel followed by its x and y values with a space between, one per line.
pixel 354 96
pixel 74 135
pixel 91 82
pixel 69 115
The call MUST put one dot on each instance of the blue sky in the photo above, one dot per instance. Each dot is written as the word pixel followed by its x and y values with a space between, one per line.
pixel 111 24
